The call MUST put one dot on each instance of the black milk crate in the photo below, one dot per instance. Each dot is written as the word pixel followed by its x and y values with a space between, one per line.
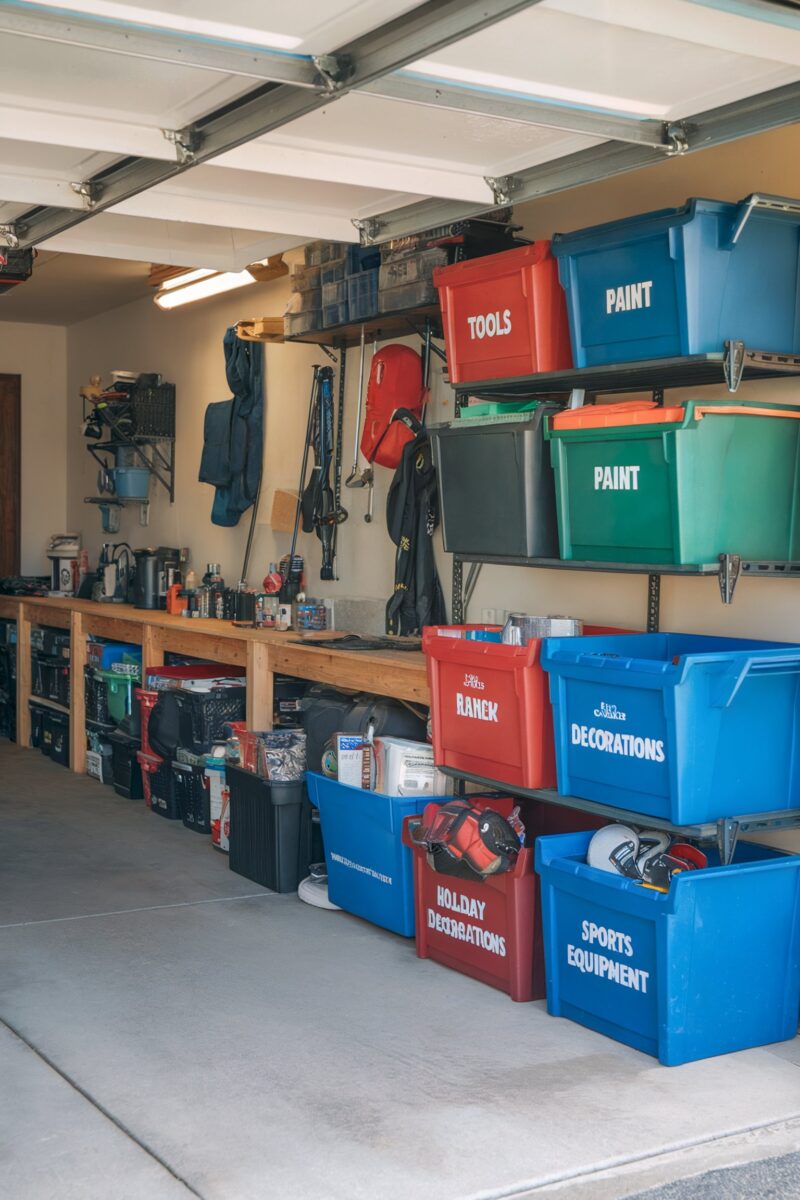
pixel 38 712
pixel 8 667
pixel 8 718
pixel 203 714
pixel 271 832
pixel 125 769
pixel 95 692
pixel 50 677
pixel 50 641
pixel 163 800
pixel 287 712
pixel 154 410
pixel 192 795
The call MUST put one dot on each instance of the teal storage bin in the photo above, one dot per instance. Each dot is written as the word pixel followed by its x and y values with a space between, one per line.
pixel 710 967
pixel 683 281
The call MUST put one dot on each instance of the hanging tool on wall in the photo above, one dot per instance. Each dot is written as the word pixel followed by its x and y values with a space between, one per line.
pixel 358 478
pixel 318 507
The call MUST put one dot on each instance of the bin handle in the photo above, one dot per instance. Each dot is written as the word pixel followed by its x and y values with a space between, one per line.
pixel 729 683
pixel 735 410
pixel 759 200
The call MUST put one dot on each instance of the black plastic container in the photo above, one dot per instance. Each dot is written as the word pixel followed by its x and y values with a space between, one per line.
pixel 125 768
pixel 203 714
pixel 55 736
pixel 287 712
pixel 49 640
pixel 8 668
pixel 95 692
pixel 38 713
pixel 496 487
pixel 8 719
pixel 192 796
pixel 163 801
pixel 50 677
pixel 271 832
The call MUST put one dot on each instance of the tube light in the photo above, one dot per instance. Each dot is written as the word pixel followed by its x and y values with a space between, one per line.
pixel 201 289
pixel 186 277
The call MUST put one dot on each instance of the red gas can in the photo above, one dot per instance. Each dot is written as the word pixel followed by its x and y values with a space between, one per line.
pixel 504 315
pixel 489 929
pixel 490 707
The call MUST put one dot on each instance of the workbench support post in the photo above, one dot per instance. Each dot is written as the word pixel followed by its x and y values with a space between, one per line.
pixel 23 677
pixel 78 657
pixel 260 686
pixel 152 649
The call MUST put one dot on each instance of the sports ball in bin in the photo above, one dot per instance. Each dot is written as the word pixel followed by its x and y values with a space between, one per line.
pixel 709 967
pixel 504 315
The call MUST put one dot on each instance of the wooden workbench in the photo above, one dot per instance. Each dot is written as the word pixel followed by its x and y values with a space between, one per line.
pixel 263 653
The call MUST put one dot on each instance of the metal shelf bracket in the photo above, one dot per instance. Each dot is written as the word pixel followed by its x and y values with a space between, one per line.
pixel 733 365
pixel 730 567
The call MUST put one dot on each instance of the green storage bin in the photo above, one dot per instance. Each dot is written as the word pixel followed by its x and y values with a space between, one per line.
pixel 677 485
pixel 119 687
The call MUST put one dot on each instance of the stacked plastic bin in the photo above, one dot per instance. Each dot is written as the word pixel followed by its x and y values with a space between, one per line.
pixel 111 676
pixel 686 729
pixel 362 282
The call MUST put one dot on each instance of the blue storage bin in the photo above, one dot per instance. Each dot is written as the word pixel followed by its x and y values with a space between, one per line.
pixel 362 295
pixel 370 871
pixel 674 282
pixel 362 258
pixel 710 967
pixel 103 655
pixel 334 314
pixel 131 483
pixel 678 726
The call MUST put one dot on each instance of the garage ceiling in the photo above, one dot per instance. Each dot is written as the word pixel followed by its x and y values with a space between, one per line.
pixel 414 114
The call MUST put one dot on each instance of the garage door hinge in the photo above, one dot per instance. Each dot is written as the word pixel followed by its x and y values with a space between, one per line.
pixel 89 191
pixel 502 187
pixel 369 228
pixel 676 138
pixel 186 142
pixel 334 69
pixel 9 235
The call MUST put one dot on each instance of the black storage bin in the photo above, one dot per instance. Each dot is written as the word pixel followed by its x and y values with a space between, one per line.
pixel 8 719
pixel 270 830
pixel 163 801
pixel 203 714
pixel 154 410
pixel 192 796
pixel 287 710
pixel 125 768
pixel 48 640
pixel 8 668
pixel 95 692
pixel 328 712
pixel 55 736
pixel 50 677
pixel 38 713
pixel 496 487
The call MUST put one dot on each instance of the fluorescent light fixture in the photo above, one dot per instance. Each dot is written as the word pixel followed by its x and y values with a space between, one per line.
pixel 209 285
pixel 186 277
pixel 113 10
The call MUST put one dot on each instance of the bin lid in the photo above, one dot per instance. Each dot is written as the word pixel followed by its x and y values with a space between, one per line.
pixel 626 412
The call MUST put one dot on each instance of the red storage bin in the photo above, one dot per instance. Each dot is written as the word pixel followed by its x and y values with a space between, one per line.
pixel 504 315
pixel 489 929
pixel 147 702
pixel 192 671
pixel 490 707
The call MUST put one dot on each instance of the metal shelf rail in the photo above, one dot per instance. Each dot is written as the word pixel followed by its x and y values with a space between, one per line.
pixel 723 832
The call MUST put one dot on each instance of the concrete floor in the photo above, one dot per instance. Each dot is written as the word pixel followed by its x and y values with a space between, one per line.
pixel 172 1030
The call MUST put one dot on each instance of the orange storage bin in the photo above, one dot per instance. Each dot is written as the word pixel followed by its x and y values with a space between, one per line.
pixel 504 315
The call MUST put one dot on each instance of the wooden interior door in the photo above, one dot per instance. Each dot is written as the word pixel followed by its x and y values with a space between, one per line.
pixel 10 447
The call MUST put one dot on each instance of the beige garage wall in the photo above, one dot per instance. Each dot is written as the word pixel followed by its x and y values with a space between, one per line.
pixel 39 354
pixel 186 346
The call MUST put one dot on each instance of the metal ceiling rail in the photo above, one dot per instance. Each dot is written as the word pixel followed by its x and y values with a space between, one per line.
pixel 254 62
pixel 426 29
pixel 416 89
pixel 743 118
